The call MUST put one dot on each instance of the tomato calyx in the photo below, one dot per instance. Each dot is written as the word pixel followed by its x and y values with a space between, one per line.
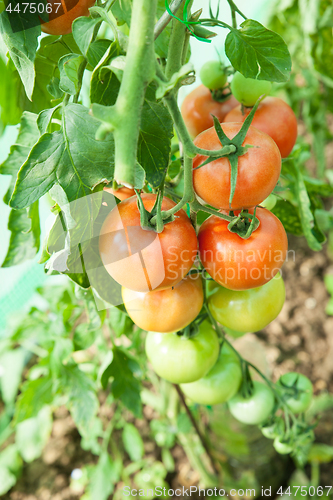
pixel 244 224
pixel 219 95
pixel 152 221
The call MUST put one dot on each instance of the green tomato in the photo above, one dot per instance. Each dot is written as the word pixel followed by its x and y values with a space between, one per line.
pixel 182 360
pixel 281 446
pixel 220 384
pixel 269 202
pixel 233 333
pixel 248 90
pixel 273 428
pixel 248 310
pixel 255 409
pixel 296 389
pixel 212 75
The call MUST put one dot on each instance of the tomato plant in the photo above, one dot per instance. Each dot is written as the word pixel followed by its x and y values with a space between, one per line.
pixel 199 106
pixel 240 264
pixel 248 90
pixel 258 169
pixel 167 310
pixel 297 391
pixel 248 310
pixel 62 24
pixel 274 117
pixel 182 360
pixel 254 409
pixel 90 108
pixel 167 257
pixel 220 384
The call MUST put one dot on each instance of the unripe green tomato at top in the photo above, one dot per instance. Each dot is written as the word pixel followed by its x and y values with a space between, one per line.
pixel 269 202
pixel 248 310
pixel 255 409
pixel 212 75
pixel 248 90
pixel 220 384
pixel 180 360
pixel 296 402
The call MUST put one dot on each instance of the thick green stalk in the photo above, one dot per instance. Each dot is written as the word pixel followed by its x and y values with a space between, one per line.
pixel 176 45
pixel 139 71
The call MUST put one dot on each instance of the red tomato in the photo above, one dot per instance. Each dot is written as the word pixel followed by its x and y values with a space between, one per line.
pixel 61 24
pixel 240 264
pixel 199 106
pixel 167 310
pixel 143 260
pixel 258 170
pixel 121 193
pixel 274 117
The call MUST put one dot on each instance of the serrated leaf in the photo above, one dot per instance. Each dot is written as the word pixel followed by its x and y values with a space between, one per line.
pixel 12 363
pixel 84 31
pixel 69 67
pixel 32 434
pixel 257 52
pixel 70 157
pixel 35 394
pixel 121 324
pixel 28 135
pixel 24 240
pixel 22 45
pixel 82 400
pixel 105 85
pixel 125 385
pixel 133 442
pixel 289 217
pixel 154 146
pixel 104 477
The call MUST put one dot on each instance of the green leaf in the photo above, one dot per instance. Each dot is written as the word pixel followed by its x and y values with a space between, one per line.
pixel 257 52
pixel 105 85
pixel 121 323
pixel 69 67
pixel 12 363
pixel 154 146
pixel 22 47
pixel 10 467
pixel 28 135
pixel 71 158
pixel 122 10
pixel 25 235
pixel 84 32
pixel 133 442
pixel 83 403
pixel 7 480
pixel 289 217
pixel 125 385
pixel 32 434
pixel 13 99
pixel 97 51
pixel 104 477
pixel 35 394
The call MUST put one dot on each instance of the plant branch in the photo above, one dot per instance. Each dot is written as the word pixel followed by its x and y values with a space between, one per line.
pixel 197 430
pixel 139 71
pixel 166 18
pixel 176 45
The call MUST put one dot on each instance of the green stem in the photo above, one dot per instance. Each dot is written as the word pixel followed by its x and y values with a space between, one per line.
pixel 139 71
pixel 176 45
pixel 188 146
pixel 315 474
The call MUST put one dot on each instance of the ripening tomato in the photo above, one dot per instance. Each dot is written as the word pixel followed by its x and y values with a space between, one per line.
pixel 199 106
pixel 220 384
pixel 255 409
pixel 182 360
pixel 274 117
pixel 122 193
pixel 61 17
pixel 297 390
pixel 248 310
pixel 143 260
pixel 240 264
pixel 258 169
pixel 166 310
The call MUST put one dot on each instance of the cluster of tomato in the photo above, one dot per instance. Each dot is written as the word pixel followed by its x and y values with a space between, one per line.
pixel 162 283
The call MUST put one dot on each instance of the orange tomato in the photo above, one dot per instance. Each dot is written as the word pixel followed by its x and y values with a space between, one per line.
pixel 61 18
